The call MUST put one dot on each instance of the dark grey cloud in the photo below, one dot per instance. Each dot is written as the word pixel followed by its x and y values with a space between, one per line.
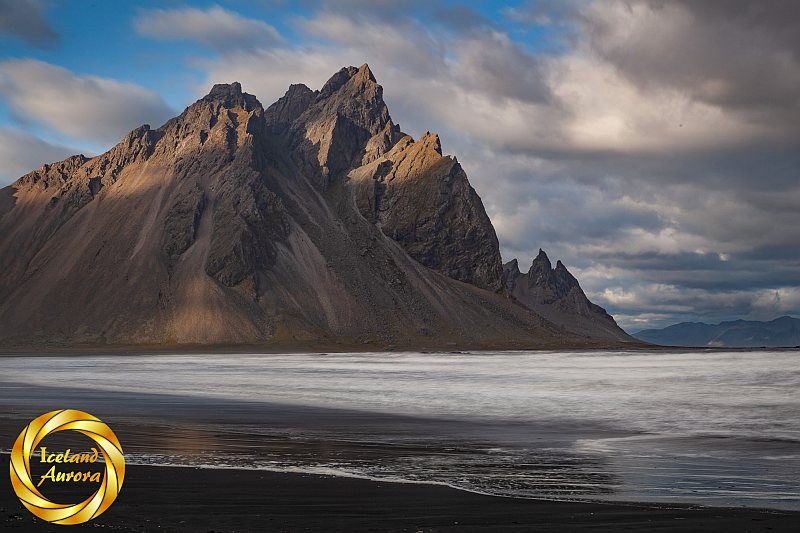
pixel 742 56
pixel 26 19
pixel 708 271
pixel 493 64
pixel 778 17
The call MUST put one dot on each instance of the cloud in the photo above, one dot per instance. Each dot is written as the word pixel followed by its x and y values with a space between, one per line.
pixel 461 17
pixel 653 305
pixel 430 74
pixel 216 27
pixel 538 13
pixel 736 56
pixel 372 10
pixel 26 19
pixel 655 151
pixel 21 152
pixel 83 107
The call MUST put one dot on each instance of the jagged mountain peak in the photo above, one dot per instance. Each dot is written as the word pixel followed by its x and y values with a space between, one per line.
pixel 556 294
pixel 541 263
pixel 431 141
pixel 357 80
pixel 335 126
pixel 364 74
pixel 225 89
pixel 336 81
pixel 365 71
pixel 512 266
pixel 352 88
pixel 296 101
pixel 230 95
pixel 543 273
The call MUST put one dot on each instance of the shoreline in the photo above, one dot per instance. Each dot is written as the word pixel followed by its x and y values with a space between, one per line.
pixel 269 349
pixel 306 348
pixel 179 498
pixel 643 504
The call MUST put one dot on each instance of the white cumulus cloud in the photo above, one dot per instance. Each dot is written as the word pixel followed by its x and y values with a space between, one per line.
pixel 88 108
pixel 216 27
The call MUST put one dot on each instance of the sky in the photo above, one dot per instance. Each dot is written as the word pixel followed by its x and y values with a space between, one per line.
pixel 651 145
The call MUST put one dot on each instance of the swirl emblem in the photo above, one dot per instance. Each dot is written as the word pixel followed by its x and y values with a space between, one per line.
pixel 28 493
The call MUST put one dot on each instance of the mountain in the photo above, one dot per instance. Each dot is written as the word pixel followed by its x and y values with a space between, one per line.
pixel 313 221
pixel 778 333
pixel 556 295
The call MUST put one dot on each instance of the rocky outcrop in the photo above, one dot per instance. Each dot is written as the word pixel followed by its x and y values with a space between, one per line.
pixel 423 200
pixel 413 193
pixel 316 220
pixel 335 127
pixel 280 115
pixel 555 294
pixel 182 221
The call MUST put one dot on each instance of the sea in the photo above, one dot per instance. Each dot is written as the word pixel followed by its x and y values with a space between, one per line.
pixel 716 428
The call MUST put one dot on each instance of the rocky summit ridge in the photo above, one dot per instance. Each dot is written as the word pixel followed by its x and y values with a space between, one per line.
pixel 315 221
pixel 555 294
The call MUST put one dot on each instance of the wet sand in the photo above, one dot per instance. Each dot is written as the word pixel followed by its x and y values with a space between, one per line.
pixel 190 499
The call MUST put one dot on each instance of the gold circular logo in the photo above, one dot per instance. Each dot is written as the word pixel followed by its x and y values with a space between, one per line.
pixel 92 427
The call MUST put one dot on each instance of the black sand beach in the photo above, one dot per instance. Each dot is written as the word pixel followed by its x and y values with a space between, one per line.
pixel 192 429
pixel 190 499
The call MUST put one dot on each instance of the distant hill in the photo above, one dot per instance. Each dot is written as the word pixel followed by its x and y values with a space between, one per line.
pixel 781 332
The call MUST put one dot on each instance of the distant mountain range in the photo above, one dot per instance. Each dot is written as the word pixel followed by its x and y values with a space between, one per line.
pixel 781 332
